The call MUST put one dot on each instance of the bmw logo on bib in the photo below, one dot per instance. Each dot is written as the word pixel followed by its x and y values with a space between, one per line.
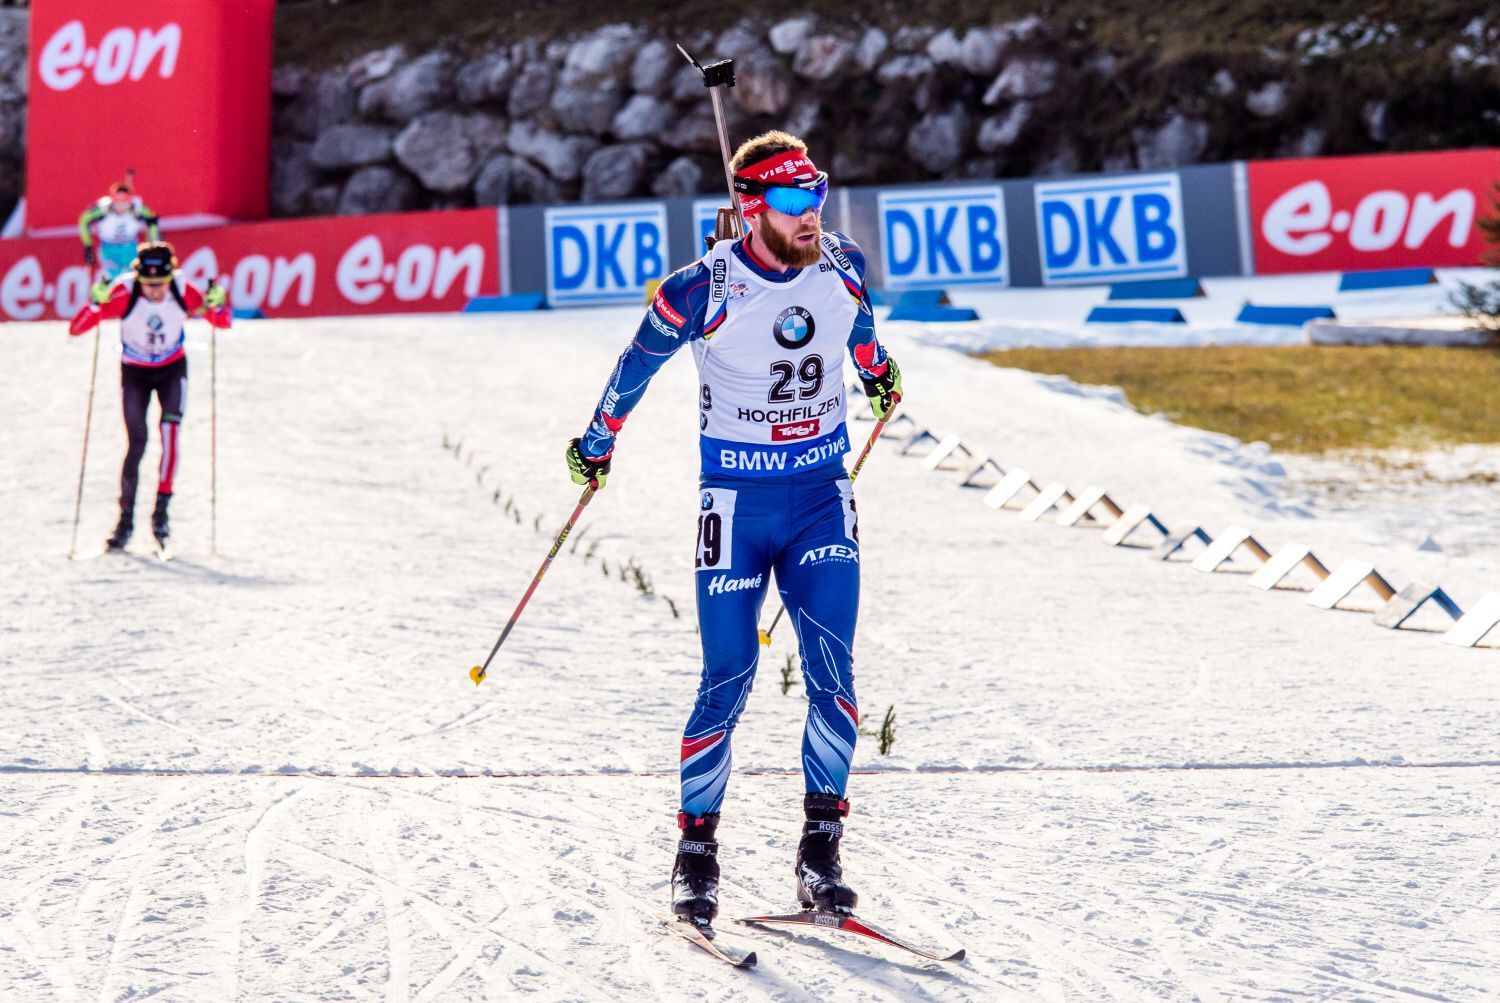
pixel 794 327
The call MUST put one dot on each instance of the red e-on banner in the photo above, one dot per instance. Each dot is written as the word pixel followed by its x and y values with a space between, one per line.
pixel 433 262
pixel 1385 211
pixel 179 90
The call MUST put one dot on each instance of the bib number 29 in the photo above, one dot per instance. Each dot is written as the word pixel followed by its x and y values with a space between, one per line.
pixel 808 372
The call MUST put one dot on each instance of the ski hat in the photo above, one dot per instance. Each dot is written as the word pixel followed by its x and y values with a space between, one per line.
pixel 154 263
pixel 788 182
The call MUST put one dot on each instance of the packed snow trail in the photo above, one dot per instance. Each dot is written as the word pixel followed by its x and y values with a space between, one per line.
pixel 1112 778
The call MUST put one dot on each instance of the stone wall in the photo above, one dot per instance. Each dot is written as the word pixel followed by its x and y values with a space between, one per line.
pixel 615 112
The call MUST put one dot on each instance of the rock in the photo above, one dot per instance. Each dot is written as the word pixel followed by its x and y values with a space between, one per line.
pixel 419 86
pixel 1267 101
pixel 687 85
pixel 602 55
pixel 849 167
pixel 488 134
pixel 735 43
pixel 944 48
pixel 802 119
pixel 1181 141
pixel 561 156
pixel 1308 143
pixel 682 177
pixel 787 36
pixel 762 85
pixel 1000 131
pixel 902 72
pixel 643 117
pixel 376 65
pixel 614 172
pixel 327 100
pixel 585 108
pixel 378 189
pixel 910 39
pixel 1023 78
pixel 288 81
pixel 492 186
pixel 695 132
pixel 1377 122
pixel 1222 85
pixel 485 79
pixel 872 45
pixel 444 148
pixel 979 52
pixel 651 72
pixel 822 57
pixel 938 139
pixel 530 89
pixel 293 177
pixel 529 183
pixel 323 200
pixel 343 146
pixel 1062 159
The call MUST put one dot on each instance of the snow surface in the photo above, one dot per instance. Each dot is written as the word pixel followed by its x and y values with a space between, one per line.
pixel 266 776
pixel 1054 317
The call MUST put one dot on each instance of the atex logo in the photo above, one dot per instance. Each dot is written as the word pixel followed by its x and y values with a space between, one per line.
pixel 832 552
pixel 122 54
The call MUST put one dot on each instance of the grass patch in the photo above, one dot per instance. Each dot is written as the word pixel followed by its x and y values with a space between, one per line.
pixel 1301 398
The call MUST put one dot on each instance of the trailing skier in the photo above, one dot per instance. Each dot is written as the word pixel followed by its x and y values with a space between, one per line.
pixel 121 222
pixel 153 304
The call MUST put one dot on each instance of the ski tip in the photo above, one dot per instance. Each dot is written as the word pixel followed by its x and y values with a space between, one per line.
pixel 749 961
pixel 477 674
pixel 957 956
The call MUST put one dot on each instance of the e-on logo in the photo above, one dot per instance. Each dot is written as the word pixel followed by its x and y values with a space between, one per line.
pixel 794 327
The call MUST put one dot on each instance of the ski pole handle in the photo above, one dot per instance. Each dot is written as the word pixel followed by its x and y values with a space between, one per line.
pixel 479 672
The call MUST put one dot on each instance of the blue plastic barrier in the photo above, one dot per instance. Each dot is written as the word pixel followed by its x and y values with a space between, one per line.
pixel 1386 278
pixel 1286 316
pixel 506 304
pixel 247 313
pixel 1156 289
pixel 933 314
pixel 1136 314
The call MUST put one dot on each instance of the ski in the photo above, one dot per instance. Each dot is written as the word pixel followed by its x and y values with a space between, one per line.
pixel 163 553
pixel 724 952
pixel 850 924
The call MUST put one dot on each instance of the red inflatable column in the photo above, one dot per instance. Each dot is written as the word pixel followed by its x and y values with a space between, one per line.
pixel 178 90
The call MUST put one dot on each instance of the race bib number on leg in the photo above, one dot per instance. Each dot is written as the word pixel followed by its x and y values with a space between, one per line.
pixel 851 517
pixel 715 530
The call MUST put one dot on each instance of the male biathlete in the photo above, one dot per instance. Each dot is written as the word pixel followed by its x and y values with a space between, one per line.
pixel 769 317
pixel 153 305
pixel 121 221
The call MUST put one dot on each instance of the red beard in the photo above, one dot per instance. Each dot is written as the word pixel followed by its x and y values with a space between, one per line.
pixel 789 251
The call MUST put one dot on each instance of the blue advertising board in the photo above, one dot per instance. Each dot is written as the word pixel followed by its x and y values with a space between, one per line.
pixel 604 254
pixel 1101 230
pixel 936 237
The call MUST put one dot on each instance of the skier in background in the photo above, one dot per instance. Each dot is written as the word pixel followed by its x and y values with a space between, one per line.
pixel 152 304
pixel 122 222
pixel 769 318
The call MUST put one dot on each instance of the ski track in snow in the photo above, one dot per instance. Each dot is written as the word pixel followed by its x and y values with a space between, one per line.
pixel 1112 778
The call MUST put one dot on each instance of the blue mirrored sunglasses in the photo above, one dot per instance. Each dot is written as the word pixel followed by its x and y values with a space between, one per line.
pixel 794 201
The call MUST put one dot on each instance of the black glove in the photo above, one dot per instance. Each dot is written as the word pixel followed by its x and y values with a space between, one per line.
pixel 884 390
pixel 584 470
pixel 88 255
